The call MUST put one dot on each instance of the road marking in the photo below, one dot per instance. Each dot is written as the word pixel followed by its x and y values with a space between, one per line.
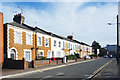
pixel 86 75
pixel 59 74
pixel 98 70
pixel 47 76
pixel 40 70
pixel 31 72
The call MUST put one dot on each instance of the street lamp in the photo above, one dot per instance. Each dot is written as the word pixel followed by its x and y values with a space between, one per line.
pixel 117 57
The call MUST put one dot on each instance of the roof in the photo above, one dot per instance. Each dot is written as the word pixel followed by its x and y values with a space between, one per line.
pixel 42 31
pixel 84 44
pixel 24 26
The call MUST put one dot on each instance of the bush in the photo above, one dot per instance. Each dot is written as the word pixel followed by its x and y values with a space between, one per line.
pixel 93 55
pixel 41 58
pixel 77 55
pixel 71 57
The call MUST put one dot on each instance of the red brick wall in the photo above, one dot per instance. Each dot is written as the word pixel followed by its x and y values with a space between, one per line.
pixel 1 37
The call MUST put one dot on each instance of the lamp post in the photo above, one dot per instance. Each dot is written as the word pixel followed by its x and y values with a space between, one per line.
pixel 117 40
pixel 117 56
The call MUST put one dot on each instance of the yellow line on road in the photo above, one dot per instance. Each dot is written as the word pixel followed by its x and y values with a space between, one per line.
pixel 95 72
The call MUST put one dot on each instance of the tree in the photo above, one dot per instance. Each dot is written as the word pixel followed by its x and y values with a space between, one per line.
pixel 95 46
pixel 103 51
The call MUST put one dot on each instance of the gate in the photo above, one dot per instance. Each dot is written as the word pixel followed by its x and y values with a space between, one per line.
pixel 30 65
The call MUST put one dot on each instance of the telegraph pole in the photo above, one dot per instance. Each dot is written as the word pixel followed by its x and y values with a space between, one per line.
pixel 117 57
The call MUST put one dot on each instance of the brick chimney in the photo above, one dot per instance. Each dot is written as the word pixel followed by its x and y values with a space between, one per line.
pixel 70 37
pixel 19 18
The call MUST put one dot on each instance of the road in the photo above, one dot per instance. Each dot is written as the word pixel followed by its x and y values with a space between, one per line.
pixel 76 71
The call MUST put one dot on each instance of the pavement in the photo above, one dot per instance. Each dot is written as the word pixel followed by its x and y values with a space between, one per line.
pixel 110 72
pixel 6 73
pixel 72 71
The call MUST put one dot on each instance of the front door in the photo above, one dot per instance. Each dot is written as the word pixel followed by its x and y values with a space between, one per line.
pixel 27 55
pixel 52 54
pixel 13 54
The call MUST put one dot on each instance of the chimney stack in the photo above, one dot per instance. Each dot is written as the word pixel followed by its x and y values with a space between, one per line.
pixel 19 18
pixel 70 37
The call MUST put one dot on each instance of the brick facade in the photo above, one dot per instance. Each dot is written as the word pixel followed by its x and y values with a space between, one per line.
pixel 20 47
pixel 43 46
pixel 1 37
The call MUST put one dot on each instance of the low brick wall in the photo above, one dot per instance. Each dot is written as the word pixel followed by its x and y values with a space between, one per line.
pixel 53 62
pixel 59 61
pixel 70 61
pixel 80 59
pixel 38 63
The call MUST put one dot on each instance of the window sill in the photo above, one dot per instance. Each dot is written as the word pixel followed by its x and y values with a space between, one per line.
pixel 46 46
pixel 18 43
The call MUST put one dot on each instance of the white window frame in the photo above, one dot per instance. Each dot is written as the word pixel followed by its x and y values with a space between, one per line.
pixel 67 45
pixel 73 47
pixel 48 54
pixel 25 53
pixel 55 43
pixel 45 42
pixel 59 44
pixel 58 54
pixel 17 38
pixel 63 53
pixel 27 39
pixel 38 41
pixel 67 53
pixel 41 51
pixel 70 46
pixel 64 45
pixel 10 53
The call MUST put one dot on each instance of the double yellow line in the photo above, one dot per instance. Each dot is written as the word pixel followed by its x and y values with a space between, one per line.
pixel 95 73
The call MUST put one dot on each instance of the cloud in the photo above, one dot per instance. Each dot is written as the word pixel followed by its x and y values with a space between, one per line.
pixel 88 23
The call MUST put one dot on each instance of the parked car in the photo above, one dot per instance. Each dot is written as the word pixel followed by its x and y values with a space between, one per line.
pixel 88 57
pixel 105 56
pixel 110 56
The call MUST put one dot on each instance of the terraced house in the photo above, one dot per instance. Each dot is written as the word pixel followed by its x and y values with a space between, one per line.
pixel 20 39
pixel 42 43
pixel 31 43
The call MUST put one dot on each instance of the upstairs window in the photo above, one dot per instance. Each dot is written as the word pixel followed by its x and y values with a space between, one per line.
pixel 67 45
pixel 28 39
pixel 39 41
pixel 54 42
pixel 59 44
pixel 46 42
pixel 18 37
pixel 71 46
pixel 64 45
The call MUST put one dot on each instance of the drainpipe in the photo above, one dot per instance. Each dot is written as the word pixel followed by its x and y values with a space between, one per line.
pixel 35 44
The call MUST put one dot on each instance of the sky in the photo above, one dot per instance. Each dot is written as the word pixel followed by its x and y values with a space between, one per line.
pixel 87 21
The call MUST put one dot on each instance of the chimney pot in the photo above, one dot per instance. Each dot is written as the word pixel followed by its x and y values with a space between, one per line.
pixel 19 18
